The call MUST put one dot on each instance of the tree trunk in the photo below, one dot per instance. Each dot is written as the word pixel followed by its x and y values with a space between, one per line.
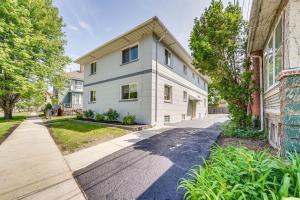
pixel 8 112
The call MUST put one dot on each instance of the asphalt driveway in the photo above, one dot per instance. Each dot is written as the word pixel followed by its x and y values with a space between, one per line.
pixel 151 168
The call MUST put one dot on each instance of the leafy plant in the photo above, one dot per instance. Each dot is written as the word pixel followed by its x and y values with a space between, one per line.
pixel 89 114
pixel 112 115
pixel 231 129
pixel 129 119
pixel 238 173
pixel 100 117
pixel 79 115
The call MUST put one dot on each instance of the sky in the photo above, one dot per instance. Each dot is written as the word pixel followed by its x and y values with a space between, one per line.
pixel 90 23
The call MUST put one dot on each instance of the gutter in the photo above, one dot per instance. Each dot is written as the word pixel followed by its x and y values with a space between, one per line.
pixel 156 73
pixel 261 92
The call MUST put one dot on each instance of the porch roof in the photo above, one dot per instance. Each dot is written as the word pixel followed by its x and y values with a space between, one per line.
pixel 262 16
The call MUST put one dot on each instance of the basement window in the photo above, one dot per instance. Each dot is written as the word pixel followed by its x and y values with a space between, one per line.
pixel 167 118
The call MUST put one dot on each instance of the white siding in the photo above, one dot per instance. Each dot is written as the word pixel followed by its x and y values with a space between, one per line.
pixel 108 91
pixel 180 82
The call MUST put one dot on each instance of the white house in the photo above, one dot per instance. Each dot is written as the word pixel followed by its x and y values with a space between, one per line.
pixel 147 73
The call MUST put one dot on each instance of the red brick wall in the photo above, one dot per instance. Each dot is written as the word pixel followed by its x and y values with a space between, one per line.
pixel 255 107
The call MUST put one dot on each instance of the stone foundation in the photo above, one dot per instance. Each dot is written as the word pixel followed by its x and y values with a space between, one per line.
pixel 290 111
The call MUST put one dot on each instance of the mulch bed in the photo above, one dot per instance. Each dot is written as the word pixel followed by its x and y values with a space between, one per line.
pixel 250 143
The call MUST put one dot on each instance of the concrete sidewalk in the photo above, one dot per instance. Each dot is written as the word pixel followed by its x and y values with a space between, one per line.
pixel 32 167
pixel 85 157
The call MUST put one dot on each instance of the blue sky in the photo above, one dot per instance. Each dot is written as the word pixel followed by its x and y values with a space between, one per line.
pixel 89 23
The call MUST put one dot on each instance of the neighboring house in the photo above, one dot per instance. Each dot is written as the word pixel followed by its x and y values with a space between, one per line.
pixel 147 73
pixel 72 97
pixel 274 46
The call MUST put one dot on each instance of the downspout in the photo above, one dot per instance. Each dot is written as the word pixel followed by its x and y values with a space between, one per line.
pixel 261 92
pixel 156 73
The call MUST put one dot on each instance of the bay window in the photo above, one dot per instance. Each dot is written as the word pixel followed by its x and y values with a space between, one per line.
pixel 273 57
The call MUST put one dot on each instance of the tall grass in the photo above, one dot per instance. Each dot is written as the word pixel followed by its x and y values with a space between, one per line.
pixel 240 174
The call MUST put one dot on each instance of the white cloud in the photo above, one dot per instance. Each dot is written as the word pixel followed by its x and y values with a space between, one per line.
pixel 86 27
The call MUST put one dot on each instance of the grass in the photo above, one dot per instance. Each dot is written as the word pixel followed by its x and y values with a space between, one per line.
pixel 74 135
pixel 7 125
pixel 234 173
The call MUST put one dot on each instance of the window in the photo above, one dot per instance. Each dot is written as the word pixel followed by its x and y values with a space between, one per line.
pixel 168 93
pixel 273 57
pixel 131 54
pixel 204 102
pixel 93 68
pixel 77 99
pixel 193 75
pixel 129 92
pixel 184 96
pixel 167 58
pixel 185 69
pixel 205 86
pixel 198 80
pixel 183 116
pixel 92 96
pixel 270 63
pixel 167 118
pixel 278 48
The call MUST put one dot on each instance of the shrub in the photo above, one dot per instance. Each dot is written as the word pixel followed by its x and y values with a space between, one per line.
pixel 89 114
pixel 112 115
pixel 238 173
pixel 79 115
pixel 129 119
pixel 100 117
pixel 233 130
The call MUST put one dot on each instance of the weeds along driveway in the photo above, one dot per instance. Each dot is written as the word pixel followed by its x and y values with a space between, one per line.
pixel 150 169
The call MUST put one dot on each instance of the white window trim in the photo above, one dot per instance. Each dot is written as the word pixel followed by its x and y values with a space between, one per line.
pixel 129 47
pixel 272 35
pixel 168 101
pixel 133 99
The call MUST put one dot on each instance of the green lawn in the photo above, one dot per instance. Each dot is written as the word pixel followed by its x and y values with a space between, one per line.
pixel 73 135
pixel 6 125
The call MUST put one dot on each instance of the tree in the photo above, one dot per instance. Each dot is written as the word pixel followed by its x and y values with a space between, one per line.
pixel 31 51
pixel 218 43
pixel 213 95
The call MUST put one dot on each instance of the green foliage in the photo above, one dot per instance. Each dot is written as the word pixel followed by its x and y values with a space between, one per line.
pixel 213 96
pixel 111 114
pixel 31 51
pixel 79 115
pixel 100 117
pixel 89 114
pixel 218 43
pixel 48 106
pixel 231 129
pixel 129 119
pixel 238 173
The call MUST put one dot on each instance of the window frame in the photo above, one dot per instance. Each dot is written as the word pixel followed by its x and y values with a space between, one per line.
pixel 91 68
pixel 168 100
pixel 169 52
pixel 265 71
pixel 169 118
pixel 185 96
pixel 130 60
pixel 90 96
pixel 184 69
pixel 129 98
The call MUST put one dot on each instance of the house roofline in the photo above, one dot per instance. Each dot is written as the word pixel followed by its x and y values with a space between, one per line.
pixel 155 21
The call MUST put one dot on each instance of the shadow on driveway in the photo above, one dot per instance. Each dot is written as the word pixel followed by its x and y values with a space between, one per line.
pixel 151 168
